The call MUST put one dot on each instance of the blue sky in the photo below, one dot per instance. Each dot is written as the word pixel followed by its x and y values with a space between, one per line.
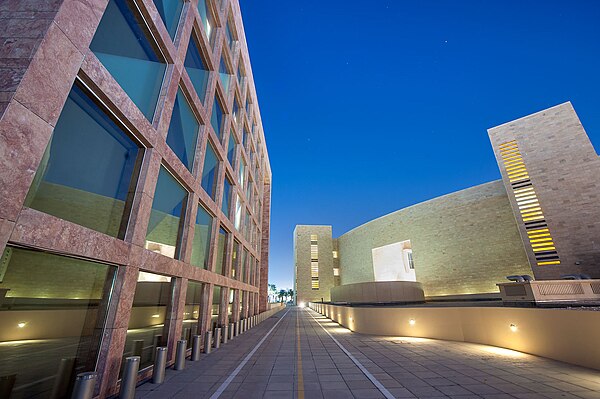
pixel 369 107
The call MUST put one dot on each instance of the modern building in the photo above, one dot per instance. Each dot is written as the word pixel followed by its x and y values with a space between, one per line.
pixel 134 185
pixel 542 219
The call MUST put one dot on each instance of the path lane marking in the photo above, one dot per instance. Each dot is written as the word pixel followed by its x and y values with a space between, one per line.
pixel 299 365
pixel 362 368
pixel 235 372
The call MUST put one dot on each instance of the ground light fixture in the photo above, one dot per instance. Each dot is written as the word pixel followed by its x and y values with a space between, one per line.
pixel 412 322
pixel 21 324
pixel 513 327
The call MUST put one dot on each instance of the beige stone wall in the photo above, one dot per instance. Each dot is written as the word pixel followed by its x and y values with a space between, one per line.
pixel 302 272
pixel 463 243
pixel 564 170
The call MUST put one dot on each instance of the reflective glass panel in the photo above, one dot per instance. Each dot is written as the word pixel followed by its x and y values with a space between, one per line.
pixel 52 314
pixel 169 11
pixel 124 46
pixel 240 74
pixel 235 259
pixel 209 171
pixel 236 110
pixel 147 329
pixel 243 273
pixel 216 118
pixel 231 148
pixel 202 235
pixel 241 304
pixel 224 74
pixel 242 176
pixel 221 247
pixel 216 302
pixel 191 312
pixel 229 37
pixel 237 220
pixel 196 68
pixel 183 131
pixel 226 204
pixel 207 20
pixel 87 171
pixel 230 307
pixel 165 219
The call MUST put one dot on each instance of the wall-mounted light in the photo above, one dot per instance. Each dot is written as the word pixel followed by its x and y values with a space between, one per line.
pixel 412 322
pixel 155 316
pixel 513 327
pixel 21 324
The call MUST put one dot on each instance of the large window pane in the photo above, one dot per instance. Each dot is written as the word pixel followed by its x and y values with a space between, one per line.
pixel 169 11
pixel 216 302
pixel 237 219
pixel 216 118
pixel 165 219
pixel 196 68
pixel 226 204
pixel 231 148
pixel 243 269
pixel 207 20
pixel 221 247
pixel 52 313
pixel 230 306
pixel 87 170
pixel 224 74
pixel 183 131
pixel 147 328
pixel 209 171
pixel 235 259
pixel 191 312
pixel 124 46
pixel 202 235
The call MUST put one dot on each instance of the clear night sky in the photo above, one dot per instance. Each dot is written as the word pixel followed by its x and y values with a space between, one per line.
pixel 372 106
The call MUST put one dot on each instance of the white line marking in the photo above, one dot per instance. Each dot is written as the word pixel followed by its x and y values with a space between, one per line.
pixel 362 368
pixel 235 372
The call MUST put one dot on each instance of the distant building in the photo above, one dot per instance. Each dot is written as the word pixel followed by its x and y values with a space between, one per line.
pixel 541 219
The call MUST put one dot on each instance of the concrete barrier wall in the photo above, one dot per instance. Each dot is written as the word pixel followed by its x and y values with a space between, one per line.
pixel 566 335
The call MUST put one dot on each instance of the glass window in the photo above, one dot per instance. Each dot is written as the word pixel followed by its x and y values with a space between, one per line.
pixel 235 258
pixel 245 137
pixel 147 329
pixel 168 207
pixel 242 176
pixel 236 109
pixel 216 302
pixel 240 73
pixel 207 20
pixel 125 47
pixel 226 204
pixel 202 236
pixel 231 148
pixel 169 11
pixel 241 304
pixel 229 37
pixel 183 131
pixel 216 118
pixel 52 312
pixel 191 312
pixel 196 68
pixel 224 74
pixel 209 171
pixel 221 248
pixel 230 306
pixel 247 225
pixel 87 172
pixel 244 277
pixel 237 220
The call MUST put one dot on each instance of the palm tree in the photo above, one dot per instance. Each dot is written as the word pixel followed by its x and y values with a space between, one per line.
pixel 272 292
pixel 291 294
pixel 282 294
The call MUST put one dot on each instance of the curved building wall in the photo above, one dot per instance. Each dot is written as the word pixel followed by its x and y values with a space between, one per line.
pixel 462 243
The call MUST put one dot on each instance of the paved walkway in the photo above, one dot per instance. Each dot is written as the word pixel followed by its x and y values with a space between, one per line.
pixel 308 356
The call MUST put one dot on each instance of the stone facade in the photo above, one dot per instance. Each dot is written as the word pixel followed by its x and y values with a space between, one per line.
pixel 302 263
pixel 564 170
pixel 45 50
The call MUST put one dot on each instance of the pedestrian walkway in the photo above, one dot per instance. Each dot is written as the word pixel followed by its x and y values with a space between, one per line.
pixel 300 354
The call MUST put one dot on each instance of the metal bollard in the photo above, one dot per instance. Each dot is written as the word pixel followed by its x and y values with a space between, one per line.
pixel 237 328
pixel 225 333
pixel 196 342
pixel 63 378
pixel 160 364
pixel 129 380
pixel 180 355
pixel 217 338
pixel 84 386
pixel 231 330
pixel 208 342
